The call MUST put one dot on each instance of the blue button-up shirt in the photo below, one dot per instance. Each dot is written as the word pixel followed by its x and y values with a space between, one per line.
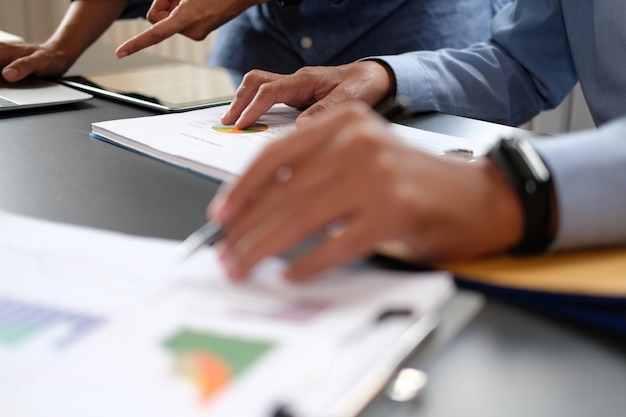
pixel 539 50
pixel 331 32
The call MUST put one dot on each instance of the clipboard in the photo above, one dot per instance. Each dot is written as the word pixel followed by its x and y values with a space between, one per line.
pixel 585 286
pixel 152 340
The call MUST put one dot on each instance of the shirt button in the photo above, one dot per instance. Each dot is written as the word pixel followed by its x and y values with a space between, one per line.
pixel 306 42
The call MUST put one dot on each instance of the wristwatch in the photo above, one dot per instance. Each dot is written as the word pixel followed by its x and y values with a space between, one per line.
pixel 532 181
pixel 287 2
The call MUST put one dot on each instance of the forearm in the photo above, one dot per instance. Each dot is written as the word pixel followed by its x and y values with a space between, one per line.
pixel 84 22
pixel 501 80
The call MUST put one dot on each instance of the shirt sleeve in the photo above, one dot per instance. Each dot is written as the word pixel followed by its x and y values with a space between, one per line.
pixel 589 174
pixel 136 8
pixel 508 79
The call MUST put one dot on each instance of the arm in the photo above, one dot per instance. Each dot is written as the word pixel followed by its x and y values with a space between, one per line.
pixel 589 173
pixel 524 69
pixel 346 170
pixel 508 79
pixel 84 22
pixel 192 18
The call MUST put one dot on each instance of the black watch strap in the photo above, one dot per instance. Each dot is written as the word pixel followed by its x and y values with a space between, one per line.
pixel 531 179
pixel 287 2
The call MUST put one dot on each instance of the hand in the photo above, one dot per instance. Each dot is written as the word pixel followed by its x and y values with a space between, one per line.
pixel 18 61
pixel 192 18
pixel 316 89
pixel 83 23
pixel 347 170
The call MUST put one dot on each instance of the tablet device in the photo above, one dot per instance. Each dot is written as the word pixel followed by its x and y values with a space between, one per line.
pixel 171 87
pixel 35 92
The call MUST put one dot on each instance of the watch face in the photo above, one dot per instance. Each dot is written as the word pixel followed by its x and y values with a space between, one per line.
pixel 533 161
pixel 530 178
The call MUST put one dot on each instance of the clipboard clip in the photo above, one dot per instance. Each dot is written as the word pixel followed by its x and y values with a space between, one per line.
pixel 402 384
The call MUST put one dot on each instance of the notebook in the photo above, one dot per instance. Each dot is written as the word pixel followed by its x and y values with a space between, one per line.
pixel 35 92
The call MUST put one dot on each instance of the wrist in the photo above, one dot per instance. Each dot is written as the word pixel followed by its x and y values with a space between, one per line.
pixel 530 178
pixel 505 210
pixel 384 79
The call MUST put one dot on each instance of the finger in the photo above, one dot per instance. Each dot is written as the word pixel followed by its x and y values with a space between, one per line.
pixel 288 151
pixel 153 35
pixel 343 92
pixel 361 229
pixel 246 92
pixel 21 68
pixel 13 63
pixel 355 242
pixel 296 219
pixel 321 191
pixel 305 185
pixel 161 9
pixel 299 90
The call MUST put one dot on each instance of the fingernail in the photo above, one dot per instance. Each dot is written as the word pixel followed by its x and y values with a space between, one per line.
pixel 10 74
pixel 225 115
pixel 122 54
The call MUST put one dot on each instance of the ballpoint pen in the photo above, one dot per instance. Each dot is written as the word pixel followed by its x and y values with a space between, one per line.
pixel 208 234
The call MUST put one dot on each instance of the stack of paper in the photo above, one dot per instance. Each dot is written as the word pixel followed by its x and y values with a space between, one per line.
pixel 104 324
pixel 197 141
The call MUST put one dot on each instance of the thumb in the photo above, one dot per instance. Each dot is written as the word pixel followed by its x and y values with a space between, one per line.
pixel 19 69
pixel 161 9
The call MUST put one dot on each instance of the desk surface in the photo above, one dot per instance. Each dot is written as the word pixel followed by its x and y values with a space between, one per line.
pixel 505 362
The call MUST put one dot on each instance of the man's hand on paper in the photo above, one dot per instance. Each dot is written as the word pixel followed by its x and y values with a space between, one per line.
pixel 192 18
pixel 313 89
pixel 352 182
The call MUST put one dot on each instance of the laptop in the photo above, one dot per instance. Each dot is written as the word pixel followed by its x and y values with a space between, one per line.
pixel 35 92
pixel 10 38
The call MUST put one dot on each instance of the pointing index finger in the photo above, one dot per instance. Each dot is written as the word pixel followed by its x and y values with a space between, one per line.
pixel 151 36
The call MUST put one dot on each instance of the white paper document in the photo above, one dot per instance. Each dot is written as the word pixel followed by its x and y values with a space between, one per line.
pixel 197 141
pixel 100 323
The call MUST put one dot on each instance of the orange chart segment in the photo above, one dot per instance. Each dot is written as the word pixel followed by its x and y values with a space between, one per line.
pixel 210 361
pixel 255 128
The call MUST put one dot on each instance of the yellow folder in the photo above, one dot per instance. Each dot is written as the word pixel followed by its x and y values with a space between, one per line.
pixel 600 273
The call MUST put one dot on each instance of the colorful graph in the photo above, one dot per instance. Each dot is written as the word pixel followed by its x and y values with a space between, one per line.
pixel 22 322
pixel 255 128
pixel 210 361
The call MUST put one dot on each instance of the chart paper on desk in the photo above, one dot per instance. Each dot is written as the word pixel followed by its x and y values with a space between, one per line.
pixel 100 323
pixel 197 141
